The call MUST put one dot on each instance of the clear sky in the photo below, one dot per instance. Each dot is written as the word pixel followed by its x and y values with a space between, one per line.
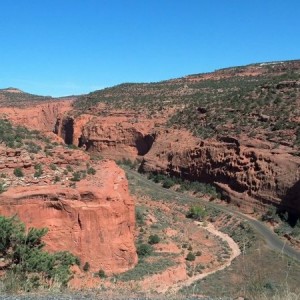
pixel 64 47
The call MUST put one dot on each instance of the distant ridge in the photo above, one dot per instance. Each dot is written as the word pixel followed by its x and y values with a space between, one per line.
pixel 12 90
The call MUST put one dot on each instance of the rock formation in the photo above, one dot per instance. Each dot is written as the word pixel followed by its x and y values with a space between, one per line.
pixel 92 218
pixel 250 173
pixel 42 116
pixel 117 136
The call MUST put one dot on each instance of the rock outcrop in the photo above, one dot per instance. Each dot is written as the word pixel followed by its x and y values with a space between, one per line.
pixel 94 220
pixel 251 174
pixel 117 136
pixel 42 116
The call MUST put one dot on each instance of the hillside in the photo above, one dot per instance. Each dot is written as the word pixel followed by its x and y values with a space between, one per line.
pixel 259 100
pixel 13 97
pixel 206 157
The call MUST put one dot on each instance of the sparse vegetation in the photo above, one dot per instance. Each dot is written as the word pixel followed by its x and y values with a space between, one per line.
pixel 25 263
pixel 261 104
pixel 2 187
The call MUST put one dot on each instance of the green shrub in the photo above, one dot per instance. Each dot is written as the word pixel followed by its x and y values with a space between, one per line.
pixel 23 256
pixel 168 183
pixel 144 250
pixel 32 147
pixel 76 176
pixel 69 168
pixel 2 187
pixel 139 216
pixel 91 171
pixel 190 256
pixel 18 172
pixel 196 212
pixel 271 214
pixel 153 239
pixel 101 274
pixel 38 170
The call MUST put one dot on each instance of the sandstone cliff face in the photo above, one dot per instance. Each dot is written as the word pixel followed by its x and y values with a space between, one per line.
pixel 94 221
pixel 115 136
pixel 250 174
pixel 42 117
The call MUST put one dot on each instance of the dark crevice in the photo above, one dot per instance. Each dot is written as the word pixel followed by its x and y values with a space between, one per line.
pixel 144 143
pixel 79 222
pixel 68 131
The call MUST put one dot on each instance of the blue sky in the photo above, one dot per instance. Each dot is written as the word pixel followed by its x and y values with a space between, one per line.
pixel 64 47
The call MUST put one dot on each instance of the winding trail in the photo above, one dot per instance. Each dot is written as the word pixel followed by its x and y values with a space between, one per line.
pixel 235 251
pixel 271 239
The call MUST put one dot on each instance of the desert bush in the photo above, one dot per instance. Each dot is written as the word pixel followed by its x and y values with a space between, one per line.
pixel 2 187
pixel 56 179
pixel 168 183
pixel 76 176
pixel 139 216
pixel 18 172
pixel 69 168
pixel 101 274
pixel 32 147
pixel 153 239
pixel 91 171
pixel 144 250
pixel 270 215
pixel 196 212
pixel 23 257
pixel 38 170
pixel 190 257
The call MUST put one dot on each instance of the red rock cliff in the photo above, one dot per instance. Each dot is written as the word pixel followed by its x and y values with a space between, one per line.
pixel 94 221
pixel 251 173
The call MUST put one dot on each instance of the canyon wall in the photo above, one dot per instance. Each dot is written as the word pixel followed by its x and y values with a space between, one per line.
pixel 42 116
pixel 250 173
pixel 94 220
pixel 115 136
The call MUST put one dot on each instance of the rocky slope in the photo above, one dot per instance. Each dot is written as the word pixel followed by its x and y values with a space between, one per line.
pixel 85 204
pixel 243 126
pixel 238 128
